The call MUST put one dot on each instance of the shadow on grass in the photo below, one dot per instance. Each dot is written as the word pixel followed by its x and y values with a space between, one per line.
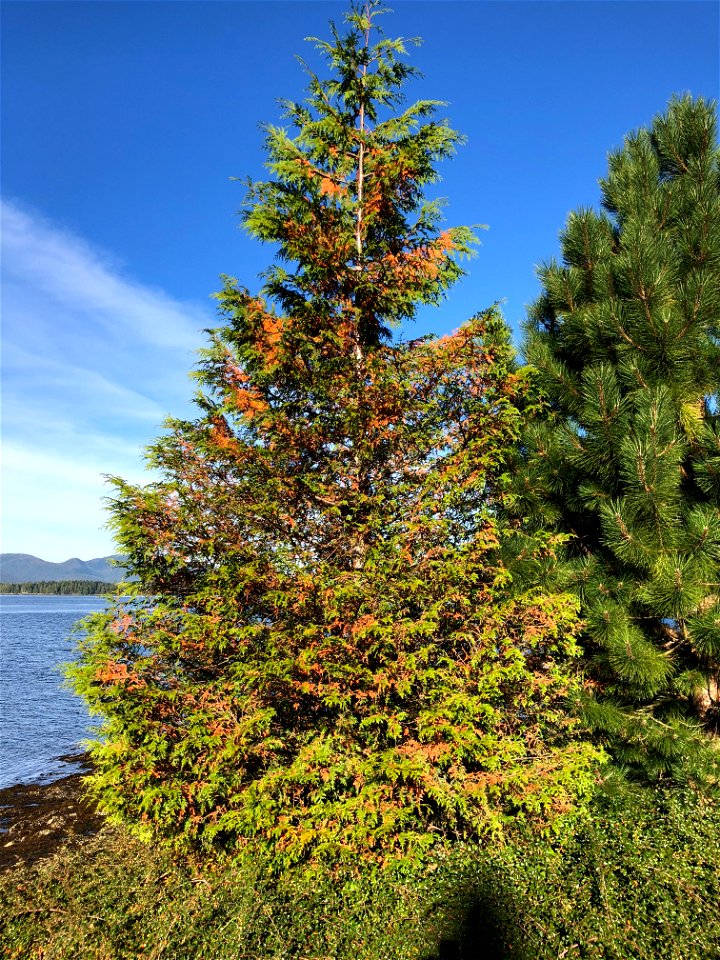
pixel 479 933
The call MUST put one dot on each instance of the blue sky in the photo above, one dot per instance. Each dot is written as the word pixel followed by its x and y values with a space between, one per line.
pixel 123 123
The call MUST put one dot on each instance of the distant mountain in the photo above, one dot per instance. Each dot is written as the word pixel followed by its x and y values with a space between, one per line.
pixel 24 568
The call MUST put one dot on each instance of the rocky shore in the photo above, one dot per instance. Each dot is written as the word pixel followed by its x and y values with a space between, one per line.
pixel 38 819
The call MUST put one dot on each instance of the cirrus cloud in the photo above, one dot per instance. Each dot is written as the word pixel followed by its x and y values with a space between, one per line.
pixel 92 361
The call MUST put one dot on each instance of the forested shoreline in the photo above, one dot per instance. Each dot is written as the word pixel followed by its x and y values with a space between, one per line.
pixel 83 588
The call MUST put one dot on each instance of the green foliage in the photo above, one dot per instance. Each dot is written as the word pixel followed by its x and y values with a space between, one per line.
pixel 323 652
pixel 118 899
pixel 75 587
pixel 624 456
pixel 638 882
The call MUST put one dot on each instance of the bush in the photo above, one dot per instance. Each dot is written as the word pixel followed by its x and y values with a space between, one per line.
pixel 638 882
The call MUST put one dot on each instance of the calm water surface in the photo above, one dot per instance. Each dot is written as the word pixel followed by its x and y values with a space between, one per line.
pixel 40 722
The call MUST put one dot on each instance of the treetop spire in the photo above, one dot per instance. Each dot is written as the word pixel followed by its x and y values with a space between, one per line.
pixel 358 246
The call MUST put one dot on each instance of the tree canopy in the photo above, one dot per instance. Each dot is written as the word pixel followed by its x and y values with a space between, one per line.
pixel 625 457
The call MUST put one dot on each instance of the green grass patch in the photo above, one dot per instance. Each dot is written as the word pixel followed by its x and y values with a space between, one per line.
pixel 639 882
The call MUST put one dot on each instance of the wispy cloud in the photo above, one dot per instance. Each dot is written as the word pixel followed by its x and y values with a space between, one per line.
pixel 72 274
pixel 92 363
pixel 74 386
pixel 55 501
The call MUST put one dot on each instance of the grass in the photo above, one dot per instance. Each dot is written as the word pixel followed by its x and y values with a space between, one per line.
pixel 639 882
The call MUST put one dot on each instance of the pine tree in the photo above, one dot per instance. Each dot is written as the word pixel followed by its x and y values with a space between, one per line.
pixel 322 653
pixel 626 457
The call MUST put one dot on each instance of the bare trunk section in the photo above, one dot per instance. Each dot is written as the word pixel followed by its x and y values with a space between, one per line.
pixel 359 546
pixel 361 180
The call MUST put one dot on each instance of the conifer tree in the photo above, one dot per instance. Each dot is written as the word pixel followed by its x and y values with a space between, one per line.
pixel 322 653
pixel 626 457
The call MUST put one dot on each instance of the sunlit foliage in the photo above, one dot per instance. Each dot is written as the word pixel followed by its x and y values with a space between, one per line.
pixel 626 457
pixel 322 653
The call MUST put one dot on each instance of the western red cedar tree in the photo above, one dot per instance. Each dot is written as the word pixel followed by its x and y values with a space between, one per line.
pixel 322 653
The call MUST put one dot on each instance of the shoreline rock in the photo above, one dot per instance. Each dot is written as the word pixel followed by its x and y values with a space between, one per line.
pixel 38 819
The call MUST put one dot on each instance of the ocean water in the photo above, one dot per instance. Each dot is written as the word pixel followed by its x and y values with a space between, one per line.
pixel 40 722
